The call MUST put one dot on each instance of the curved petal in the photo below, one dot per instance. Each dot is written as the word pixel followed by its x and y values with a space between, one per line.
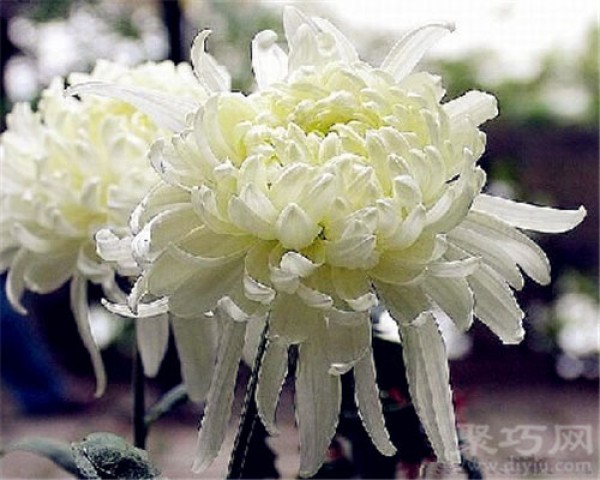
pixel 79 307
pixel 477 106
pixel 269 61
pixel 318 400
pixel 15 281
pixel 213 76
pixel 369 405
pixel 152 336
pixel 271 377
pixel 408 51
pixel 404 304
pixel 454 297
pixel 196 341
pixel 220 396
pixel 428 381
pixel 529 217
pixel 166 111
pixel 495 305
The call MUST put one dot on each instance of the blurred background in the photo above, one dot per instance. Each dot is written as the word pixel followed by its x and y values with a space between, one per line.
pixel 539 58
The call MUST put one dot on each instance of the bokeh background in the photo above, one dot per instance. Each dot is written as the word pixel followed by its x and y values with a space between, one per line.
pixel 539 57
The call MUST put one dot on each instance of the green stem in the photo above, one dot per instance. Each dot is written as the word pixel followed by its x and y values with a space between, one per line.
pixel 249 415
pixel 140 431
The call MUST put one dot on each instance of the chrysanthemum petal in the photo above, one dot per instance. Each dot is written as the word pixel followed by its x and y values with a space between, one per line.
pixel 407 52
pixel 529 217
pixel 349 336
pixel 166 111
pixel 295 229
pixel 269 61
pixel 15 281
pixel 522 250
pixel 495 305
pixel 272 374
pixel 369 405
pixel 428 380
pixel 318 400
pixel 80 309
pixel 205 288
pixel 45 273
pixel 220 396
pixel 405 304
pixel 453 296
pixel 152 335
pixel 475 105
pixel 214 77
pixel 345 48
pixel 196 341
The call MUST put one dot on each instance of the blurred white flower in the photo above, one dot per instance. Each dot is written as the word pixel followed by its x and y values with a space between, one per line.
pixel 335 186
pixel 71 168
pixel 578 315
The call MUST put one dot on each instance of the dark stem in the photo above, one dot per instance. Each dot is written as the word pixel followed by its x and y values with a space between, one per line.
pixel 249 415
pixel 140 430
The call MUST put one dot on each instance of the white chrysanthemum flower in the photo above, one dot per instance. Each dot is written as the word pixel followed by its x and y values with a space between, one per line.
pixel 71 168
pixel 335 186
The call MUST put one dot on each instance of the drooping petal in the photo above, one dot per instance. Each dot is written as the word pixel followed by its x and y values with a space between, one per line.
pixel 152 336
pixel 369 404
pixel 271 377
pixel 196 341
pixel 349 336
pixel 213 76
pixel 428 381
pixel 45 273
pixel 269 61
pixel 80 309
pixel 166 111
pixel 526 253
pixel 15 281
pixel 220 396
pixel 495 305
pixel 529 217
pixel 318 400
pixel 408 51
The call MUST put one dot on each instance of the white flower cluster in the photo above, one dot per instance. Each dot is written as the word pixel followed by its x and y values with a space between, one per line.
pixel 71 168
pixel 335 186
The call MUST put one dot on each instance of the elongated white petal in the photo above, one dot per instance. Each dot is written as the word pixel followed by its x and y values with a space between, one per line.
pixel 345 48
pixel 475 105
pixel 428 381
pixel 213 76
pixel 15 281
pixel 196 341
pixel 79 307
pixel 529 217
pixel 166 111
pixel 369 404
pixel 152 336
pixel 491 253
pixel 272 374
pixel 318 400
pixel 453 296
pixel 495 305
pixel 269 61
pixel 408 51
pixel 526 253
pixel 220 396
